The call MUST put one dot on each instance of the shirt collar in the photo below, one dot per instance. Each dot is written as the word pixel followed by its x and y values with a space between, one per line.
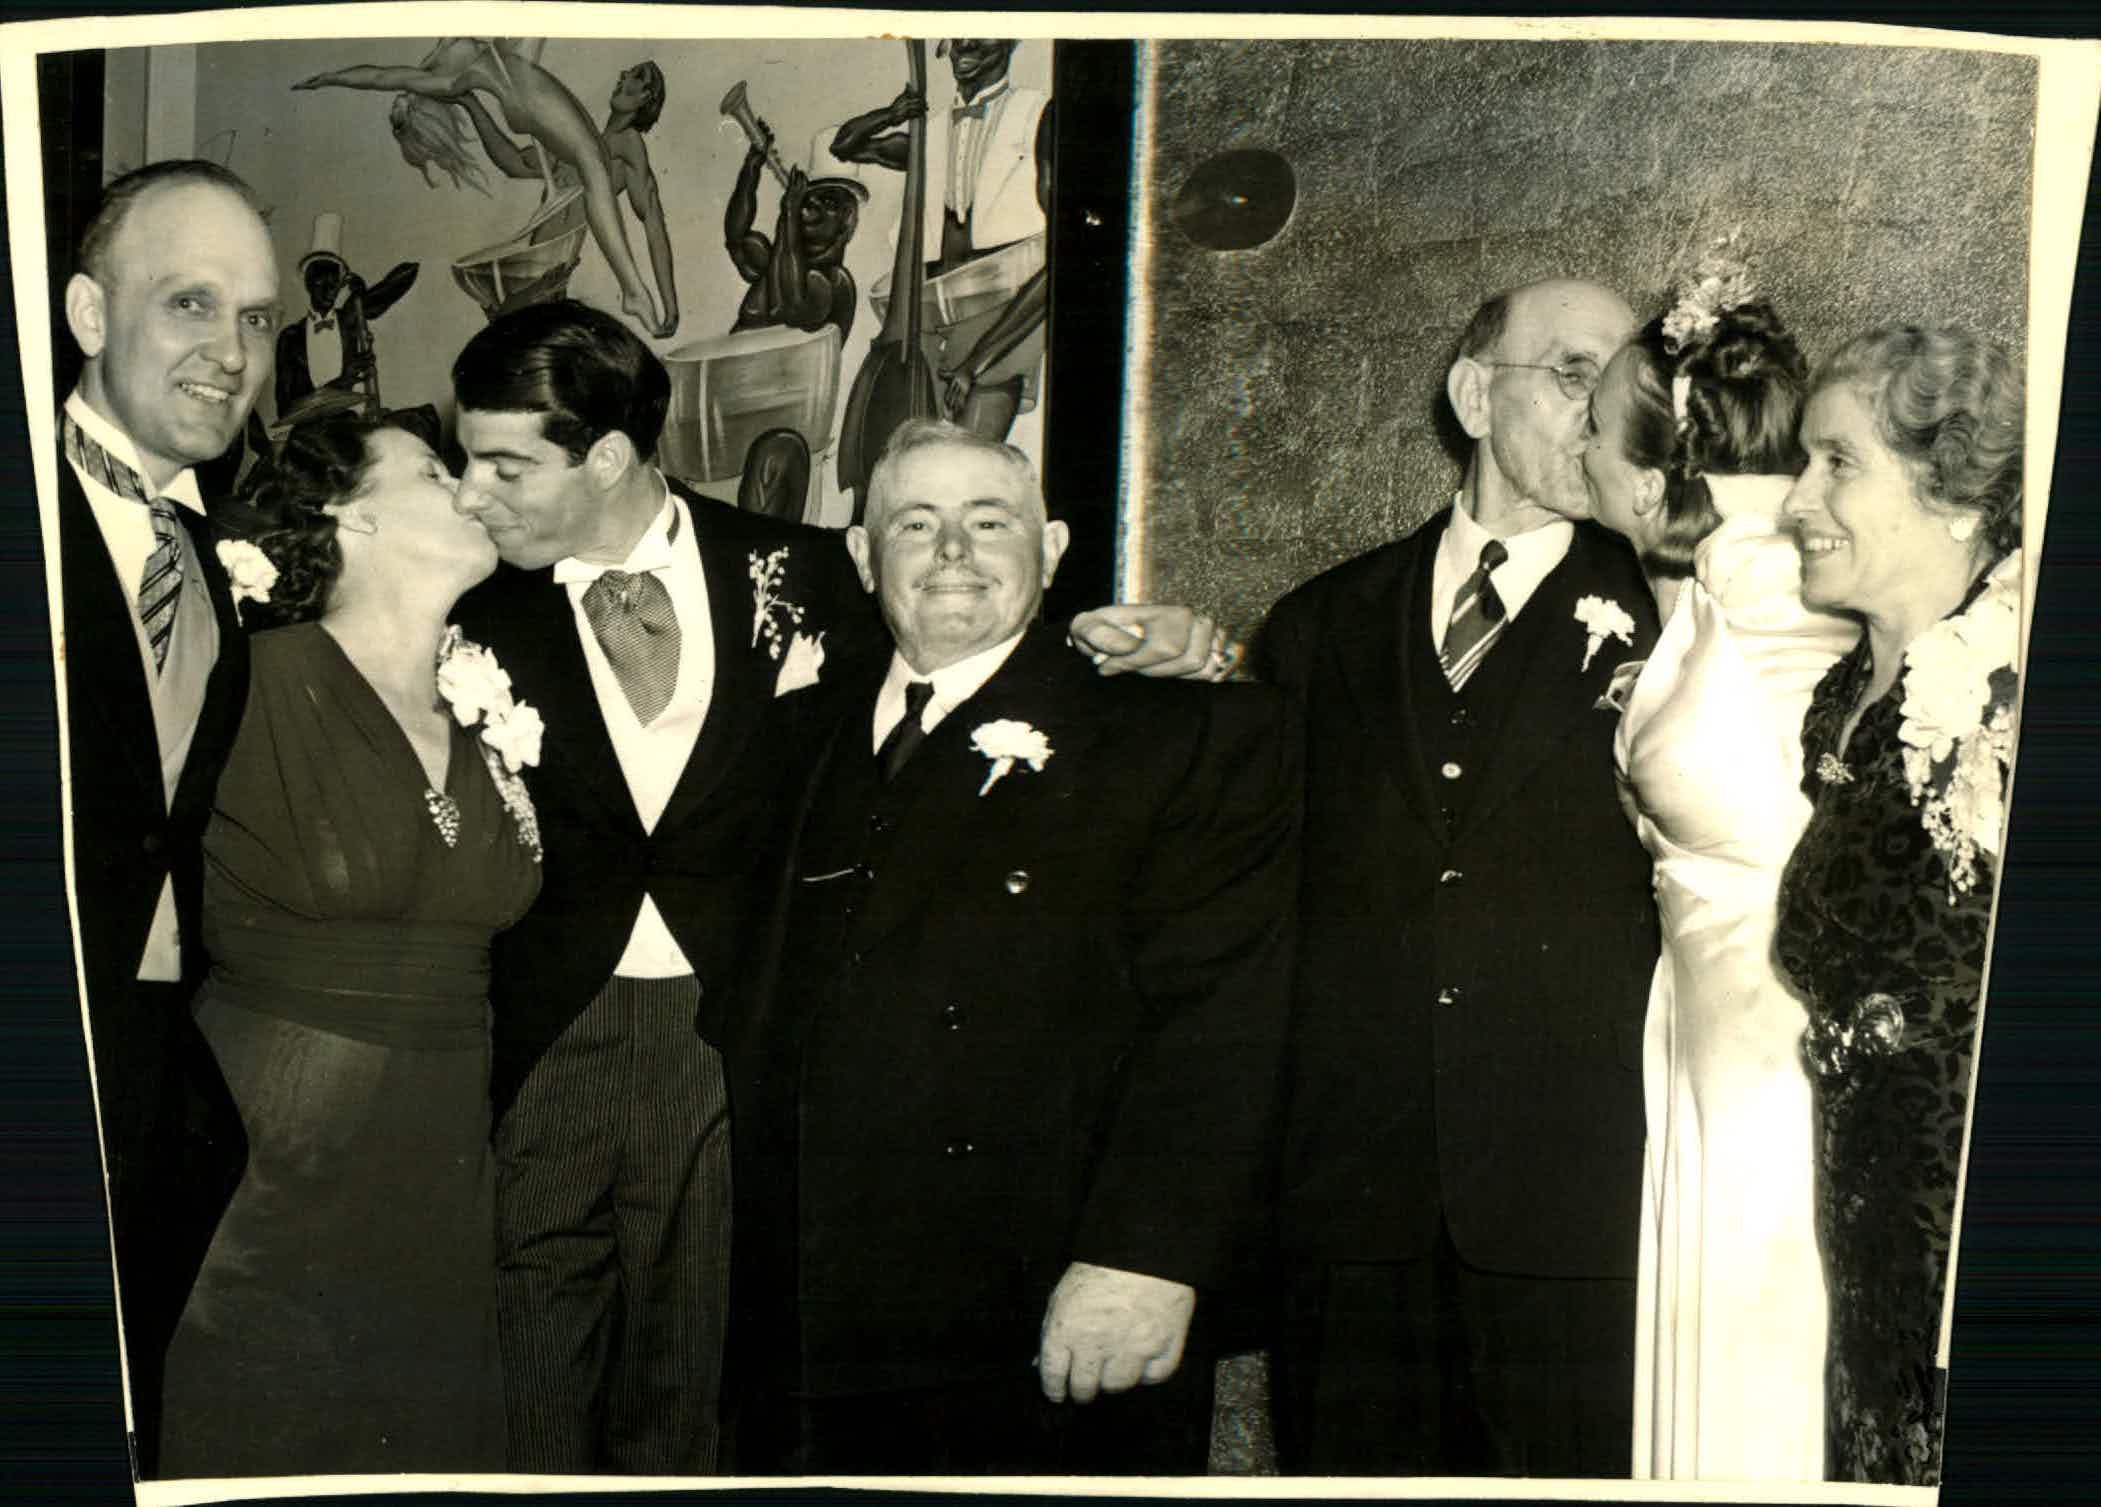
pixel 953 684
pixel 984 99
pixel 650 552
pixel 182 488
pixel 1533 553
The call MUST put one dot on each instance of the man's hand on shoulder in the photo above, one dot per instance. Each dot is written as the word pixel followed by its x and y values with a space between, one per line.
pixel 1162 641
pixel 1108 1330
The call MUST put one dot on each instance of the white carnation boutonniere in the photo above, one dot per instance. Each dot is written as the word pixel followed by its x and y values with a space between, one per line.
pixel 1007 743
pixel 1957 728
pixel 770 610
pixel 801 664
pixel 1602 619
pixel 478 689
pixel 249 574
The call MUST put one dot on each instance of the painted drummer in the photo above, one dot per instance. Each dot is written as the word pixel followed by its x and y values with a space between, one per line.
pixel 992 151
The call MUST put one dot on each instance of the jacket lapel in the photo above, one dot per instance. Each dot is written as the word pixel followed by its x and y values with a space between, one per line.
pixel 226 691
pixel 1554 688
pixel 743 674
pixel 100 649
pixel 939 811
pixel 1374 642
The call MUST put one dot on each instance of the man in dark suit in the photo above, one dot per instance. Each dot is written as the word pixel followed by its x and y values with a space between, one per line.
pixel 174 309
pixel 1462 1167
pixel 672 644
pixel 1008 1090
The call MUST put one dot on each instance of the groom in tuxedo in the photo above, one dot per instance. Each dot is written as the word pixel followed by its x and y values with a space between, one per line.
pixel 675 647
pixel 174 308
pixel 1462 1155
pixel 1007 1090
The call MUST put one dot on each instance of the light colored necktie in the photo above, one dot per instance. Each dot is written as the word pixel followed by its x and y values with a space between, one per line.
pixel 632 615
pixel 160 587
pixel 1477 618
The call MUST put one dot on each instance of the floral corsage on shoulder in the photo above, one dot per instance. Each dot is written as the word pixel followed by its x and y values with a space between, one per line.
pixel 1959 691
pixel 477 689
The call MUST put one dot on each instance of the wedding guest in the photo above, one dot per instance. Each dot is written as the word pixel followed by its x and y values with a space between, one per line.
pixel 1909 518
pixel 1008 1089
pixel 1692 448
pixel 370 834
pixel 174 308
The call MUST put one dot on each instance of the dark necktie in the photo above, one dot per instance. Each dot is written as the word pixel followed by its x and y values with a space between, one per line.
pixel 160 587
pixel 909 733
pixel 1477 618
pixel 632 615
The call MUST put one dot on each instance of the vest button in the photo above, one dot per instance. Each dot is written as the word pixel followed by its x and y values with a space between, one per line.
pixel 1017 881
pixel 1450 876
pixel 877 822
pixel 151 843
pixel 1448 996
pixel 1461 717
pixel 1450 770
pixel 952 1017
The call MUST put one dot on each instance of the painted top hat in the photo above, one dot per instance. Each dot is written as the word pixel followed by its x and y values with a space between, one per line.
pixel 328 241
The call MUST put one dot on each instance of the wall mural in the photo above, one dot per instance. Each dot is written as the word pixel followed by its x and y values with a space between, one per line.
pixel 875 263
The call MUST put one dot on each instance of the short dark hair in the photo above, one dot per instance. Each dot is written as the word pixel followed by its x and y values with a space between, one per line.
pixel 123 195
pixel 282 509
pixel 652 105
pixel 1950 405
pixel 580 368
pixel 1745 384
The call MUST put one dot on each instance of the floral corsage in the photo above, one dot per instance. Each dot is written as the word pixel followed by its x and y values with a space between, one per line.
pixel 477 689
pixel 1603 618
pixel 1007 743
pixel 1959 690
pixel 250 575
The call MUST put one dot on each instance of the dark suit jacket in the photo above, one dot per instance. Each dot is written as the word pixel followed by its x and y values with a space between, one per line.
pixel 172 1136
pixel 1003 1032
pixel 1515 1109
pixel 706 861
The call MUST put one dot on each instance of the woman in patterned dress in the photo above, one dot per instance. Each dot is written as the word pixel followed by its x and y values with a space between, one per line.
pixel 364 847
pixel 1908 516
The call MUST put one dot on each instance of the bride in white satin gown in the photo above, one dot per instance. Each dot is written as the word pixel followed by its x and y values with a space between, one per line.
pixel 1689 457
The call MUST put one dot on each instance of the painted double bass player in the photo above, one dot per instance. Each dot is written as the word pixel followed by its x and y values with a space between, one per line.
pixel 983 239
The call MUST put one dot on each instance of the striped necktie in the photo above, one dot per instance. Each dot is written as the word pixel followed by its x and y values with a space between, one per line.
pixel 1477 618
pixel 160 587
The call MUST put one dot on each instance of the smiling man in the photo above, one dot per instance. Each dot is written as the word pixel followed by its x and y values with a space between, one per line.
pixel 174 308
pixel 1007 1094
pixel 1462 1155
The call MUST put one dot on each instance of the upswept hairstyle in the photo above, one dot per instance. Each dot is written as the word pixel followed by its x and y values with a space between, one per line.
pixel 124 193
pixel 923 434
pixel 652 105
pixel 1746 384
pixel 579 367
pixel 282 509
pixel 1950 405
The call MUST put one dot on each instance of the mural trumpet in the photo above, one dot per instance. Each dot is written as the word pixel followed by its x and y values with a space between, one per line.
pixel 738 108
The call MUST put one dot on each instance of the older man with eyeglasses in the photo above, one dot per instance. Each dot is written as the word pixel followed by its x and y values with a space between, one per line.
pixel 1462 1152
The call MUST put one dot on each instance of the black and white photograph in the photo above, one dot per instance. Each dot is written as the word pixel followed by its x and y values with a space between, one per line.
pixel 777 749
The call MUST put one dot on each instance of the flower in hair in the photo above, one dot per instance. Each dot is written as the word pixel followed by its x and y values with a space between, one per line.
pixel 1719 282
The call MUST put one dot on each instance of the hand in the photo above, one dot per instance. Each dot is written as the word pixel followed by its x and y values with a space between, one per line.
pixel 797 186
pixel 1108 1330
pixel 1165 642
pixel 955 393
pixel 909 102
pixel 312 83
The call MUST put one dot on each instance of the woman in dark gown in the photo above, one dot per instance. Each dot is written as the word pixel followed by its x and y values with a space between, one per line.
pixel 360 856
pixel 1909 515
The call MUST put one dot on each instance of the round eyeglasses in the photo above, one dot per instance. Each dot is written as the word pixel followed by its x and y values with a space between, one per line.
pixel 1576 380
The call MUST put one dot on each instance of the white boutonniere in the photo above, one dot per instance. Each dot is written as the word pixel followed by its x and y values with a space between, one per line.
pixel 769 609
pixel 1959 688
pixel 249 573
pixel 1603 619
pixel 478 689
pixel 799 667
pixel 1007 743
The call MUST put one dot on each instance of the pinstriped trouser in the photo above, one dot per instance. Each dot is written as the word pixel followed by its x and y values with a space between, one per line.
pixel 613 1211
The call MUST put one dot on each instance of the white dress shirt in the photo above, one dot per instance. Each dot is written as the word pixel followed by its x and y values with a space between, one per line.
pixel 953 685
pixel 653 758
pixel 966 145
pixel 1533 556
pixel 324 347
pixel 127 533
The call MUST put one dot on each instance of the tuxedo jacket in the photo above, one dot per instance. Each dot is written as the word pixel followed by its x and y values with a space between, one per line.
pixel 1477 928
pixel 172 1136
pixel 705 862
pixel 1007 1028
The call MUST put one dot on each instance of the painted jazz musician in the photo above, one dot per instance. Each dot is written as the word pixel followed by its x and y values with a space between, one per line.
pixel 329 352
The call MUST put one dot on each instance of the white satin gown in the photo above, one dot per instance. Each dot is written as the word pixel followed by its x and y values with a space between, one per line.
pixel 1730 1324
